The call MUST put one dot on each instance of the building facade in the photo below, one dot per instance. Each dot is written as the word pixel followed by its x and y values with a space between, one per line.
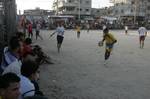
pixel 38 11
pixel 118 1
pixel 148 10
pixel 102 12
pixel 130 11
pixel 38 15
pixel 78 8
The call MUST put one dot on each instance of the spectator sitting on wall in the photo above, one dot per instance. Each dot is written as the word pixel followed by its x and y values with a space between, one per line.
pixel 20 36
pixel 30 71
pixel 9 86
pixel 11 54
pixel 27 48
pixel 34 53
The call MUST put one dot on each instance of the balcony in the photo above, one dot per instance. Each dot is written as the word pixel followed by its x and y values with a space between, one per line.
pixel 69 12
pixel 64 4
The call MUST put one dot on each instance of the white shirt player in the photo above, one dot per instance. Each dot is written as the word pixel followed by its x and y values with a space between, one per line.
pixel 60 31
pixel 142 31
pixel 126 28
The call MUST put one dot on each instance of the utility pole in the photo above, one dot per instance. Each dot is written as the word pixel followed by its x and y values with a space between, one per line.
pixel 57 7
pixel 135 10
pixel 79 14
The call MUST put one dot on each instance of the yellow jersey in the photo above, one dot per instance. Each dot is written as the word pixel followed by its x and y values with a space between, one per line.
pixel 109 38
pixel 78 29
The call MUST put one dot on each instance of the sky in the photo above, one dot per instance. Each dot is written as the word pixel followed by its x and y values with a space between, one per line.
pixel 47 4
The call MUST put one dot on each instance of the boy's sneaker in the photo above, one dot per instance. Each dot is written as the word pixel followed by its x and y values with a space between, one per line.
pixel 105 62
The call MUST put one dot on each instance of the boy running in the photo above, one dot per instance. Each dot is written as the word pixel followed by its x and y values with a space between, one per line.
pixel 110 41
pixel 60 35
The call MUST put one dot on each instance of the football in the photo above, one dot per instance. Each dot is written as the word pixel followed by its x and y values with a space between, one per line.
pixel 100 43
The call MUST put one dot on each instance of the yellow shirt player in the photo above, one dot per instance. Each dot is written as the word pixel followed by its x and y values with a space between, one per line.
pixel 78 31
pixel 78 28
pixel 110 40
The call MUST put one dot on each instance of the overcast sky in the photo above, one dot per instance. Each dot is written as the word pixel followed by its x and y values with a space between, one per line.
pixel 47 4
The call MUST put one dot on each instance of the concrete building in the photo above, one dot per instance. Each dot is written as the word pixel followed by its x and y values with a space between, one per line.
pixel 78 8
pixel 37 14
pixel 130 11
pixel 148 10
pixel 38 11
pixel 118 1
pixel 129 8
pixel 102 12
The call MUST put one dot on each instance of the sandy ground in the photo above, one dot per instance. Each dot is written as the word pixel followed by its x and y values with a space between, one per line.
pixel 79 71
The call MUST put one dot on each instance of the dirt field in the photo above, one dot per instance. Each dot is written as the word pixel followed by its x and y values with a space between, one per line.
pixel 79 71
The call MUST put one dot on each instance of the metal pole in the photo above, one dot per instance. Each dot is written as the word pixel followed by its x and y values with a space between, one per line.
pixel 136 11
pixel 57 7
pixel 79 10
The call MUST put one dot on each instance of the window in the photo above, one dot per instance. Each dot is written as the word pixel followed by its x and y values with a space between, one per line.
pixel 78 9
pixel 69 1
pixel 80 1
pixel 87 10
pixel 70 9
pixel 122 11
pixel 132 2
pixel 122 3
pixel 148 7
pixel 87 2
pixel 116 11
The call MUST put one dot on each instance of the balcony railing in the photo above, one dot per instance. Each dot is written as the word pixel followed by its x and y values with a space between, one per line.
pixel 67 4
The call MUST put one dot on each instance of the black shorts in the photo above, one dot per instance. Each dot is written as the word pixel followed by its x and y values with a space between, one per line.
pixel 142 38
pixel 59 39
pixel 37 32
pixel 30 32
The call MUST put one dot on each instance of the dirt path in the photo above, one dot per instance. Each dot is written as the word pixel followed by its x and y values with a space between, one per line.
pixel 79 73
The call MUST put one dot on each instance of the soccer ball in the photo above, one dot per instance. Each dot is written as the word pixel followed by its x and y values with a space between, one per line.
pixel 100 43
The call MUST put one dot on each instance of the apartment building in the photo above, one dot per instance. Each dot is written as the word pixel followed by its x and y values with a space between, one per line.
pixel 148 10
pixel 102 12
pixel 76 8
pixel 131 11
pixel 118 1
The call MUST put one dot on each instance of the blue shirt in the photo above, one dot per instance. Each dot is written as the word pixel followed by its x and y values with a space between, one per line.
pixel 8 58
